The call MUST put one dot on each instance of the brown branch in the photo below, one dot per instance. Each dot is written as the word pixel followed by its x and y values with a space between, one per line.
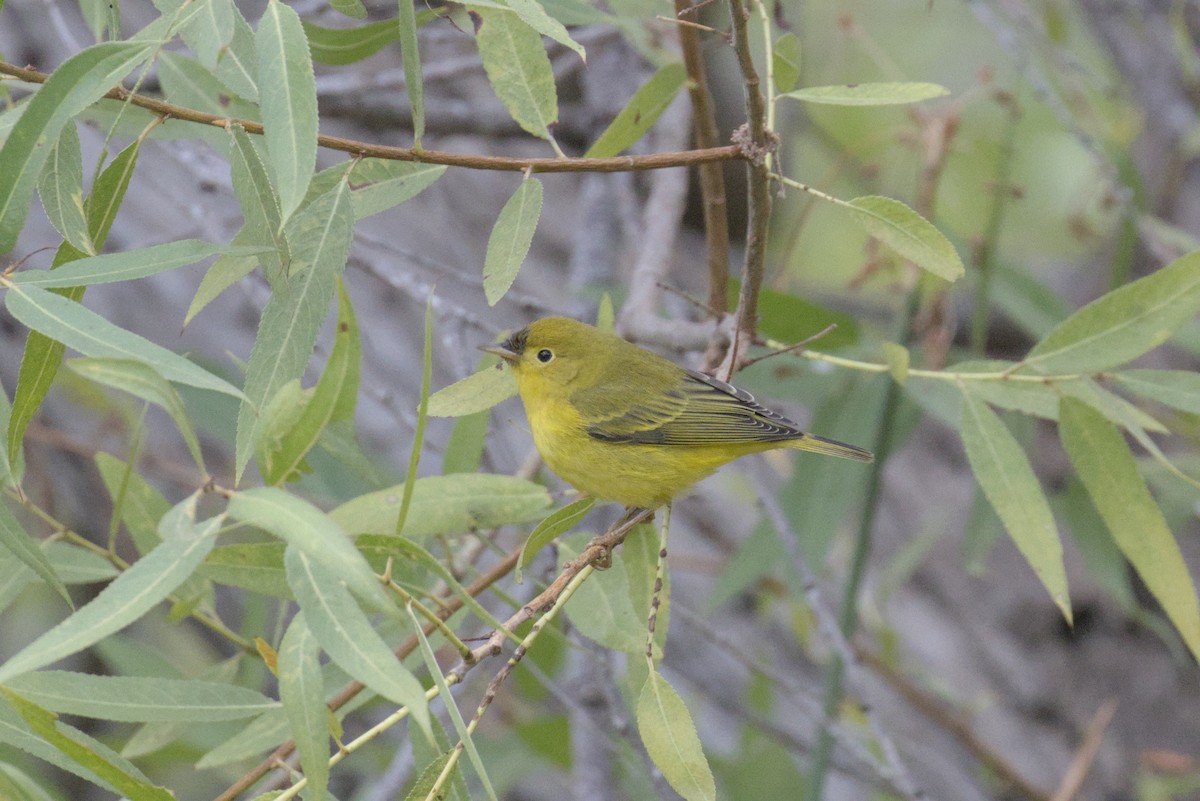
pixel 1072 780
pixel 655 161
pixel 712 178
pixel 756 142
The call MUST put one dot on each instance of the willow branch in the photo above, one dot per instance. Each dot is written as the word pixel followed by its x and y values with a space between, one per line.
pixel 655 161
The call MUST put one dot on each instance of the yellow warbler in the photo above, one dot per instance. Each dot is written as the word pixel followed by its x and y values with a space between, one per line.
pixel 623 424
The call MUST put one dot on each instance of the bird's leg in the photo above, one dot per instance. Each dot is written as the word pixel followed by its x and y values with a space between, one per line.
pixel 615 535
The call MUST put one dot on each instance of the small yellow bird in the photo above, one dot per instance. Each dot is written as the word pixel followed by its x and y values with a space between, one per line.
pixel 623 424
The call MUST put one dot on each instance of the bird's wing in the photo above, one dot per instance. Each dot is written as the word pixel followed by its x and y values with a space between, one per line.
pixel 699 410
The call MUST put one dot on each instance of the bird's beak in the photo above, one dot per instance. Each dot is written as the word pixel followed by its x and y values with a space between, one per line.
pixel 501 351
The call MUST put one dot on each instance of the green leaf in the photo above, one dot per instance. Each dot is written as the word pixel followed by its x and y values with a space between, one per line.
pixel 535 16
pixel 641 112
pixel 1004 473
pixel 92 335
pixel 602 608
pixel 209 29
pixel 260 204
pixel 290 109
pixel 110 768
pixel 237 65
pixel 510 239
pixel 301 524
pixel 351 8
pixel 80 81
pixel 131 595
pixel 303 696
pixel 126 266
pixel 519 70
pixel 349 638
pixel 671 740
pixel 61 189
pixel 785 58
pixel 869 94
pixel 14 539
pixel 446 505
pixel 139 699
pixel 1123 324
pixel 559 522
pixel 908 233
pixel 142 381
pixel 427 778
pixel 135 501
pixel 319 241
pixel 224 273
pixel 332 399
pixel 377 185
pixel 406 22
pixel 897 359
pixel 254 566
pixel 1108 471
pixel 464 449
pixel 477 392
pixel 791 318
pixel 1179 389
pixel 341 46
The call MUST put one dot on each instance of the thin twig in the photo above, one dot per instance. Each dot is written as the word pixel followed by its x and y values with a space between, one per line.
pixel 1072 780
pixel 655 161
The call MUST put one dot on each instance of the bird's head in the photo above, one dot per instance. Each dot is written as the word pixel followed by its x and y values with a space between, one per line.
pixel 551 354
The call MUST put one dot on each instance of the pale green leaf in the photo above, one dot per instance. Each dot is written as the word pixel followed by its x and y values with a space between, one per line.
pixel 131 595
pixel 303 525
pixel 349 638
pixel 1179 389
pixel 77 83
pixel 83 330
pixel 897 358
pixel 908 233
pixel 477 392
pixel 61 190
pixel 142 381
pixel 406 21
pixel 786 62
pixel 259 202
pixel 319 242
pixel 97 760
pixel 670 738
pixel 139 699
pixel 341 46
pixel 602 608
pixel 561 521
pixel 303 695
pixel 224 273
pixel 1008 480
pixel 136 502
pixel 126 266
pixel 289 109
pixel 535 16
pixel 237 66
pixel 254 566
pixel 446 505
pixel 641 112
pixel 519 70
pixel 1123 324
pixel 377 185
pixel 351 8
pixel 869 94
pixel 1108 471
pixel 510 239
pixel 14 539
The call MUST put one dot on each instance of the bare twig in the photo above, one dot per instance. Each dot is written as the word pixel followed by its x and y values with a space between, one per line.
pixel 1072 780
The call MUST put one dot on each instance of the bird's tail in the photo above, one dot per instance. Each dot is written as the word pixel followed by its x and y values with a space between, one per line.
pixel 829 447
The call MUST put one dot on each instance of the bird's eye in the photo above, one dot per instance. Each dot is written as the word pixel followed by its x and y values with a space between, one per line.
pixel 545 355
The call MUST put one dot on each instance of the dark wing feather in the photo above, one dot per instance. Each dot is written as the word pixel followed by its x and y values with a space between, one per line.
pixel 700 410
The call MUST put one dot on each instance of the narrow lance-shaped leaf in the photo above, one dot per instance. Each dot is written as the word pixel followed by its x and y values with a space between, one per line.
pixel 290 107
pixel 349 638
pixel 869 94
pixel 142 381
pixel 80 81
pixel 135 592
pixel 140 698
pixel 477 392
pixel 406 22
pixel 519 70
pixel 87 332
pixel 43 355
pixel 786 61
pixel 1123 324
pixel 115 772
pixel 908 233
pixel 510 239
pixel 1177 388
pixel 61 190
pixel 259 202
pixel 641 112
pixel 341 46
pixel 303 696
pixel 671 740
pixel 562 520
pixel 24 547
pixel 1109 472
pixel 127 266
pixel 535 16
pixel 319 242
pixel 1004 472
